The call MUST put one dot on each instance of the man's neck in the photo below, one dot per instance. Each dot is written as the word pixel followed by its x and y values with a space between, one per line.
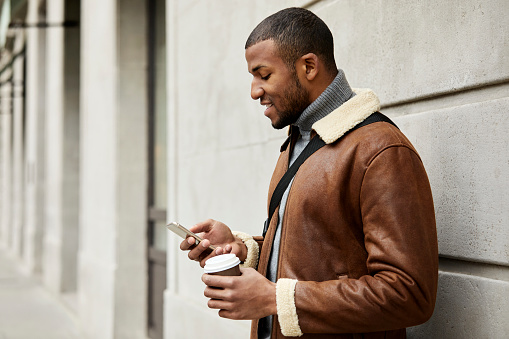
pixel 338 92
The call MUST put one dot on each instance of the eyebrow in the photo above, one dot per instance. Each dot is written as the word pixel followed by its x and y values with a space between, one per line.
pixel 254 69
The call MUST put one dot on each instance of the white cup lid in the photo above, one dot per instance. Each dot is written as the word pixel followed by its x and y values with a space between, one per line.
pixel 221 263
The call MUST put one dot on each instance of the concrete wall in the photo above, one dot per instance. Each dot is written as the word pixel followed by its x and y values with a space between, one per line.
pixel 441 71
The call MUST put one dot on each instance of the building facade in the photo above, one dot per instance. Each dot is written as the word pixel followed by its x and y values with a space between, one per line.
pixel 117 117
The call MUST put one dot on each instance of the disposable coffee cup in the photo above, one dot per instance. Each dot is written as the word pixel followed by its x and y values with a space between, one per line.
pixel 224 264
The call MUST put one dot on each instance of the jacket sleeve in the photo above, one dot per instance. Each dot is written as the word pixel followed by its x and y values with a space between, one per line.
pixel 402 259
pixel 253 248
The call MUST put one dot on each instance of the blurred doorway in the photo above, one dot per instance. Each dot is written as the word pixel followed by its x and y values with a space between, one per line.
pixel 157 166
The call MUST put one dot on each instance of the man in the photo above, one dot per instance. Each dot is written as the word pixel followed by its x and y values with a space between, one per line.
pixel 352 249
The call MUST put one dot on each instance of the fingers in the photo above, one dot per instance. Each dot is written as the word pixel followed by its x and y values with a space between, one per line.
pixel 207 254
pixel 202 226
pixel 219 281
pixel 201 252
pixel 187 243
pixel 219 304
pixel 209 230
pixel 215 293
pixel 226 313
pixel 219 299
pixel 225 302
pixel 225 309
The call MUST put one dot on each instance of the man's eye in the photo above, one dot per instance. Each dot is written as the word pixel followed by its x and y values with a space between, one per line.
pixel 266 77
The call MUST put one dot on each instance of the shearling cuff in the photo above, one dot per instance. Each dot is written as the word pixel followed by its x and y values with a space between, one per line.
pixel 253 250
pixel 286 310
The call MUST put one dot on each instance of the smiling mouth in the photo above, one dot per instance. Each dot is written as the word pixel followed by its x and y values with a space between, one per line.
pixel 267 108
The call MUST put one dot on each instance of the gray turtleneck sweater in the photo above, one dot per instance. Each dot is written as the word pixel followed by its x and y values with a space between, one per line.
pixel 335 95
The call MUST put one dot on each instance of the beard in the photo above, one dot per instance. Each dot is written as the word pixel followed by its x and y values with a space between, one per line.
pixel 294 101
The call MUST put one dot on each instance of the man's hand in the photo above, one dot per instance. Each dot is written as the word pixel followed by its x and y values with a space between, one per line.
pixel 246 297
pixel 214 233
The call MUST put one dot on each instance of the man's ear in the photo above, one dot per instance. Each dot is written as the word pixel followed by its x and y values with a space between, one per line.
pixel 310 65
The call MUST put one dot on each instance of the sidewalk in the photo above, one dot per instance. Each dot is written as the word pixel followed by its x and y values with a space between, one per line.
pixel 27 310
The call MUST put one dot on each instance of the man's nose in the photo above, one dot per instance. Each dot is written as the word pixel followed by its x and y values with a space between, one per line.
pixel 256 90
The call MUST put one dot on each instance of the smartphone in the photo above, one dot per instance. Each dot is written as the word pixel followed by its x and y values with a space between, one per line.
pixel 183 232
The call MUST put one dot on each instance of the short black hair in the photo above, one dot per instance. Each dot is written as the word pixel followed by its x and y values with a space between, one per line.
pixel 296 32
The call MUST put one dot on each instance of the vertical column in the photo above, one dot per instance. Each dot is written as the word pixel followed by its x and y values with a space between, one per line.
pixel 3 131
pixel 62 154
pixel 6 142
pixel 113 173
pixel 35 139
pixel 71 147
pixel 131 170
pixel 52 261
pixel 17 142
pixel 40 168
pixel 172 169
pixel 2 174
pixel 96 258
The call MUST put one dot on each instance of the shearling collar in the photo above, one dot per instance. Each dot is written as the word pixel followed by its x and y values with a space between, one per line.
pixel 347 116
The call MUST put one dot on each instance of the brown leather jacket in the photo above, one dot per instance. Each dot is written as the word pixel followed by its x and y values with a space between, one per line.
pixel 359 254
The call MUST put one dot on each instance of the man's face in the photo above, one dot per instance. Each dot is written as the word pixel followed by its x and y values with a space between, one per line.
pixel 277 87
